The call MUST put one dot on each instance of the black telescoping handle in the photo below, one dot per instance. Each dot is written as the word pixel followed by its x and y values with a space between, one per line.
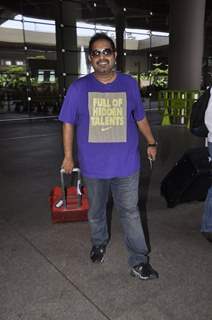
pixel 79 193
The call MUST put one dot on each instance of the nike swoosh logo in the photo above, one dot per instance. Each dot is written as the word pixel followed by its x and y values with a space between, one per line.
pixel 106 129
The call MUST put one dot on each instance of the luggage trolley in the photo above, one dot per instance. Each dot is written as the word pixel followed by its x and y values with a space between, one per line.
pixel 69 204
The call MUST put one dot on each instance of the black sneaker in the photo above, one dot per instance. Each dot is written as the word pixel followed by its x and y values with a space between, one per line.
pixel 144 271
pixel 97 254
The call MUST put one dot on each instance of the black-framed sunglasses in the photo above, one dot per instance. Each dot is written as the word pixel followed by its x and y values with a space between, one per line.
pixel 105 51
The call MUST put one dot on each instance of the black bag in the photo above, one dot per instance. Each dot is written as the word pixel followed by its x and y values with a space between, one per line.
pixel 197 117
pixel 189 179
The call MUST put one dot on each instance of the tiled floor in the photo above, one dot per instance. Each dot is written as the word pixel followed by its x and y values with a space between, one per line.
pixel 45 272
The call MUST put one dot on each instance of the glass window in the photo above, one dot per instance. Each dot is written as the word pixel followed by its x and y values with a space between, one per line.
pixel 35 61
pixel 19 63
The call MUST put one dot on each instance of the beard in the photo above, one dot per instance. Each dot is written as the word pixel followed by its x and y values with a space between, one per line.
pixel 104 66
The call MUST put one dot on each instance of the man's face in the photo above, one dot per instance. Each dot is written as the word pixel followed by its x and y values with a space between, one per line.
pixel 102 57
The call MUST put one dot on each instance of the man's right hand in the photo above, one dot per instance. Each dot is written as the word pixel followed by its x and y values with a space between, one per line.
pixel 68 165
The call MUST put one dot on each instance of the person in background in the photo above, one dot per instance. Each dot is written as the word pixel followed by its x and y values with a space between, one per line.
pixel 206 226
pixel 106 109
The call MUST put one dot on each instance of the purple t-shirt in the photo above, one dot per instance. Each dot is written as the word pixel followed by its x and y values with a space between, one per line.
pixel 105 117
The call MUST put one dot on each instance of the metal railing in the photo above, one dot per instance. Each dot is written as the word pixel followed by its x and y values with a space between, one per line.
pixel 175 106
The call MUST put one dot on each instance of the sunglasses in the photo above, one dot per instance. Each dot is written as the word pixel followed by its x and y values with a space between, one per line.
pixel 105 51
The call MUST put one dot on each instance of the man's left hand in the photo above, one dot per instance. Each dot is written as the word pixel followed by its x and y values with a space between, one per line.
pixel 152 152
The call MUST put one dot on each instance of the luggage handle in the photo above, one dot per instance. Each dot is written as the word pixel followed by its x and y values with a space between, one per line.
pixel 79 193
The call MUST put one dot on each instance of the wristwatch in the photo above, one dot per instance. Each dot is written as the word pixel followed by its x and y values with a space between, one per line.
pixel 154 145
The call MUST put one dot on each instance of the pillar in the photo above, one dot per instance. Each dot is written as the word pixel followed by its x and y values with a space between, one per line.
pixel 66 42
pixel 120 27
pixel 186 44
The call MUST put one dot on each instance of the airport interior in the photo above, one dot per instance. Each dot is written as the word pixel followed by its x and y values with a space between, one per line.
pixel 45 269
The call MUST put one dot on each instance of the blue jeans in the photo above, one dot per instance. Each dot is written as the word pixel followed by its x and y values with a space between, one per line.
pixel 207 214
pixel 125 197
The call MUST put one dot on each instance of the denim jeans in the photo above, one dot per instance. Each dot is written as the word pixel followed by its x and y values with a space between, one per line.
pixel 207 214
pixel 125 197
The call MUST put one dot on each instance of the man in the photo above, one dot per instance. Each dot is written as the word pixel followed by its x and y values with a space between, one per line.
pixel 106 109
pixel 206 226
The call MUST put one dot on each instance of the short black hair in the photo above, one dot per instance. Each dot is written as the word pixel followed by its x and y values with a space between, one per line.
pixel 100 36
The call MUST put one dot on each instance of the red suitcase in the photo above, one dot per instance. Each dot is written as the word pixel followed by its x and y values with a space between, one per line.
pixel 69 204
